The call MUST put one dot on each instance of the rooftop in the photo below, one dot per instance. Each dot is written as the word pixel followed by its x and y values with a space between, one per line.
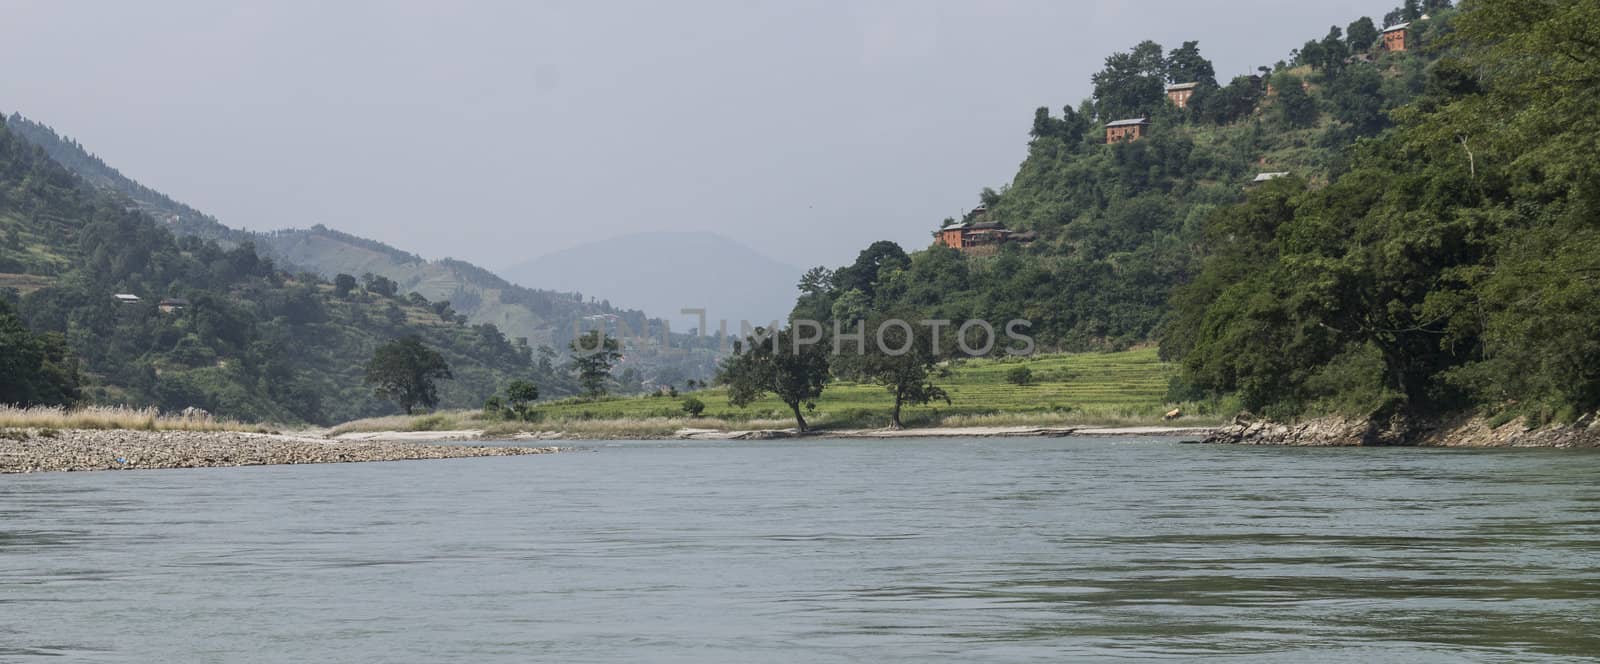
pixel 1128 122
pixel 1182 86
pixel 1397 26
pixel 1263 177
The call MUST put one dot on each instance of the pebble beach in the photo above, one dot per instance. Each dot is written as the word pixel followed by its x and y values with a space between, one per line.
pixel 27 451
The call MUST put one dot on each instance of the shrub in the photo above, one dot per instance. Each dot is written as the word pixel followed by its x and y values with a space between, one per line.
pixel 693 407
pixel 1020 376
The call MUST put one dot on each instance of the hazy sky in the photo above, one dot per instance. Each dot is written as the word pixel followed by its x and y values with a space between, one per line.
pixel 499 131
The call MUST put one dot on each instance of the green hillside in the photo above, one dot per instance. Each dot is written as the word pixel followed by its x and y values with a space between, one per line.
pixel 542 317
pixel 1121 225
pixel 251 341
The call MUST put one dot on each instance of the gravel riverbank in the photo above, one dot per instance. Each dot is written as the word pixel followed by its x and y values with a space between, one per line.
pixel 24 451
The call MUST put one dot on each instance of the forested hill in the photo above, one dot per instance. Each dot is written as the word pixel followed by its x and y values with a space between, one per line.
pixel 1424 240
pixel 1120 225
pixel 247 340
pixel 1451 263
pixel 544 317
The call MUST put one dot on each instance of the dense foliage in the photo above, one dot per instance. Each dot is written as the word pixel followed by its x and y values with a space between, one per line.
pixel 407 372
pixel 35 369
pixel 245 339
pixel 1120 225
pixel 1454 262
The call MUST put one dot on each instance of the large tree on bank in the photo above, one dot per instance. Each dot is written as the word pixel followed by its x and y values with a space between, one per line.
pixel 777 364
pixel 406 371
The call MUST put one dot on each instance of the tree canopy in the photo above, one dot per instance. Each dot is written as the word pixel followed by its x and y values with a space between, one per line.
pixel 407 372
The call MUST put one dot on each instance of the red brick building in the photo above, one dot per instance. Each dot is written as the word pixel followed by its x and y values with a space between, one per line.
pixel 1394 37
pixel 1180 93
pixel 1131 129
pixel 980 236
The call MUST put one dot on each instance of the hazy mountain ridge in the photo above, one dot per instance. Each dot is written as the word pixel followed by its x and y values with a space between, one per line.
pixel 544 317
pixel 663 272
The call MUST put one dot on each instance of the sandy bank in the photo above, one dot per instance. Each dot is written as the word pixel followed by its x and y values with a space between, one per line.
pixel 772 434
pixel 69 450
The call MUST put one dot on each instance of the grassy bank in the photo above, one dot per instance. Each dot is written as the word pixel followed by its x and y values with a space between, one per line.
pixel 112 417
pixel 1117 389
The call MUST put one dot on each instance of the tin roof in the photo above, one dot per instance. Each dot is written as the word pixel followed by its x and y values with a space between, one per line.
pixel 1397 26
pixel 1263 177
pixel 1182 86
pixel 1128 122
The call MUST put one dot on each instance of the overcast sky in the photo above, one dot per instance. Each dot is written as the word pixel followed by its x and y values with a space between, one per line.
pixel 499 131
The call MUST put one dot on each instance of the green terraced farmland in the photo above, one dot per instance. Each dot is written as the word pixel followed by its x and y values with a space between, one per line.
pixel 1112 387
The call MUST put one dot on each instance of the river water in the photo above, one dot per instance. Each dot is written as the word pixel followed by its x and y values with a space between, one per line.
pixel 816 551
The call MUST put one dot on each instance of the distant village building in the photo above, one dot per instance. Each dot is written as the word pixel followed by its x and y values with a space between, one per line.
pixel 1180 93
pixel 1394 37
pixel 1130 130
pixel 980 236
pixel 127 298
pixel 1268 177
pixel 169 305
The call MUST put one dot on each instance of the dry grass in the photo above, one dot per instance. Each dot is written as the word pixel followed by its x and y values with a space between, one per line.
pixel 445 420
pixel 112 417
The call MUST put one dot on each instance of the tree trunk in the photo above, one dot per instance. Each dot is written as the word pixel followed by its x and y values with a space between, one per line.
pixel 894 415
pixel 798 418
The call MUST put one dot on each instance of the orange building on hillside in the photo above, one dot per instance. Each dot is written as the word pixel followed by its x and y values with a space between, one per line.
pixel 1131 129
pixel 1180 93
pixel 980 236
pixel 1394 37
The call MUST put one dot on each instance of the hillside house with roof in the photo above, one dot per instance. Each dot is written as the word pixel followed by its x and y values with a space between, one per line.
pixel 1267 177
pixel 169 305
pixel 1394 37
pixel 1180 93
pixel 1131 129
pixel 980 236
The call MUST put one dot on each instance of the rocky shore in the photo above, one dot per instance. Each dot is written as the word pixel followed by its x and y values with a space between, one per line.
pixel 1446 431
pixel 24 451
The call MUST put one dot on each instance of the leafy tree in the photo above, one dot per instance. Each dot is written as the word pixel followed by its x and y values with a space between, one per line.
pixel 380 285
pixel 35 370
pixel 1355 98
pixel 1334 51
pixel 864 274
pixel 1185 65
pixel 1132 84
pixel 1295 107
pixel 693 407
pixel 1233 102
pixel 898 358
pixel 406 371
pixel 1361 35
pixel 343 284
pixel 1020 375
pixel 777 365
pixel 593 354
pixel 519 395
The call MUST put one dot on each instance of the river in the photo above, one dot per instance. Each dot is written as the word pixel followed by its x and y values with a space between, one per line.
pixel 816 551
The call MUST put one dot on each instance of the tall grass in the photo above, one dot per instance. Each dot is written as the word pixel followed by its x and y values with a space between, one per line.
pixel 112 417
pixel 444 420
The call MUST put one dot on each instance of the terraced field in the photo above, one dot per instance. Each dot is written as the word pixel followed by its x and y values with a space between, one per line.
pixel 1130 385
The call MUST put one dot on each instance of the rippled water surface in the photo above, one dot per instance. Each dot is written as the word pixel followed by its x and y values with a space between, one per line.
pixel 916 550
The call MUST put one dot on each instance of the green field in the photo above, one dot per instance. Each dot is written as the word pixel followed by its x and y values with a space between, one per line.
pixel 1079 388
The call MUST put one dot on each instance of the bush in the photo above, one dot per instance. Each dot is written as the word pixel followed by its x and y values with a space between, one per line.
pixel 1020 376
pixel 493 408
pixel 693 407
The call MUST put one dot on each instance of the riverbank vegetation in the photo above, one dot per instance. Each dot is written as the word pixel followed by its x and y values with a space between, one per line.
pixel 1452 263
pixel 1114 389
pixel 113 417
